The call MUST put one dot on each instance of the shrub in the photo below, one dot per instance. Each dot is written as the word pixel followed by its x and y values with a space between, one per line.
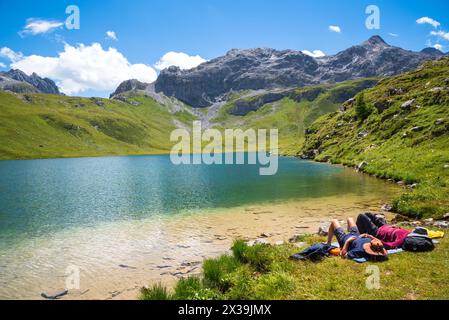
pixel 216 272
pixel 156 292
pixel 258 256
pixel 192 288
pixel 362 110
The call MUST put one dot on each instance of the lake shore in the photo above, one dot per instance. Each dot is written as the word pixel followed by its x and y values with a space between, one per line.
pixel 119 258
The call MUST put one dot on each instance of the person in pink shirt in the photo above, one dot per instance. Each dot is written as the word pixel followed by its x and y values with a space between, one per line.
pixel 376 226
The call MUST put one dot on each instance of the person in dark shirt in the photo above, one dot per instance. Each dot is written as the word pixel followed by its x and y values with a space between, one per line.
pixel 354 245
pixel 376 226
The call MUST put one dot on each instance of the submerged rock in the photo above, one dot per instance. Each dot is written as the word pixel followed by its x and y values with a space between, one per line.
pixel 126 266
pixel 54 295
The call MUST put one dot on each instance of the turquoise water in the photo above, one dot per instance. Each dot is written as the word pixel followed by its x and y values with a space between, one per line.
pixel 39 197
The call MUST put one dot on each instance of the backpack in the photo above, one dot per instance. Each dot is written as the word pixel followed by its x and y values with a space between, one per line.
pixel 416 243
pixel 315 253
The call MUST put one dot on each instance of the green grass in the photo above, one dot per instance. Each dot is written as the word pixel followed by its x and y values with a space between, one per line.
pixel 47 126
pixel 404 276
pixel 155 292
pixel 410 145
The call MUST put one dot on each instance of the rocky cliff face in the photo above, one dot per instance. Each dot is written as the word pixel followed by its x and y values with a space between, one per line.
pixel 19 82
pixel 268 68
pixel 129 85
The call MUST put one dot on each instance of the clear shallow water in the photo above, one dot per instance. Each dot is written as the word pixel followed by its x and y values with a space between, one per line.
pixel 43 196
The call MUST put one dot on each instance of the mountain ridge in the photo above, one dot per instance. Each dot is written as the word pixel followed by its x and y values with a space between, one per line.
pixel 18 81
pixel 265 68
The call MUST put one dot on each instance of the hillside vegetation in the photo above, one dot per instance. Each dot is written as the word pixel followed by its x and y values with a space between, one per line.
pixel 43 126
pixel 398 130
pixel 290 112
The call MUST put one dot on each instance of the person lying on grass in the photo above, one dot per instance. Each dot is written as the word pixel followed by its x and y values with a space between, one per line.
pixel 355 245
pixel 376 226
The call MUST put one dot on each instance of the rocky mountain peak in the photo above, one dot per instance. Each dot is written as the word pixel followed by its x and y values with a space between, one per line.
pixel 432 51
pixel 34 82
pixel 130 85
pixel 375 41
pixel 265 68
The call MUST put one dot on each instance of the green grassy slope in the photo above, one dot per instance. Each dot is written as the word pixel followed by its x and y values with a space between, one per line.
pixel 400 130
pixel 291 116
pixel 42 126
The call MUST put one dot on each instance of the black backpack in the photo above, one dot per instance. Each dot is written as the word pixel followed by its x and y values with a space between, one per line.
pixel 418 244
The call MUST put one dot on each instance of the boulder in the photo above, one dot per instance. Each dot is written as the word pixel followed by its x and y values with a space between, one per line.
pixel 393 92
pixel 323 230
pixel 257 241
pixel 408 104
pixel 350 101
pixel 361 165
pixel 441 224
pixel 363 134
pixel 437 89
pixel 382 105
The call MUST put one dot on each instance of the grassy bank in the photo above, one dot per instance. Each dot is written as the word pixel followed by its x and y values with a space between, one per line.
pixel 265 272
pixel 398 130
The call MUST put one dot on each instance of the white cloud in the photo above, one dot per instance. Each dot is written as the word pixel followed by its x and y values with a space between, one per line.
pixel 314 53
pixel 393 34
pixel 335 29
pixel 2 65
pixel 37 26
pixel 178 59
pixel 111 35
pixel 427 20
pixel 6 52
pixel 441 34
pixel 83 67
pixel 438 46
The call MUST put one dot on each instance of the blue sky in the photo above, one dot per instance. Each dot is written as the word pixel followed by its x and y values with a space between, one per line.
pixel 148 29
